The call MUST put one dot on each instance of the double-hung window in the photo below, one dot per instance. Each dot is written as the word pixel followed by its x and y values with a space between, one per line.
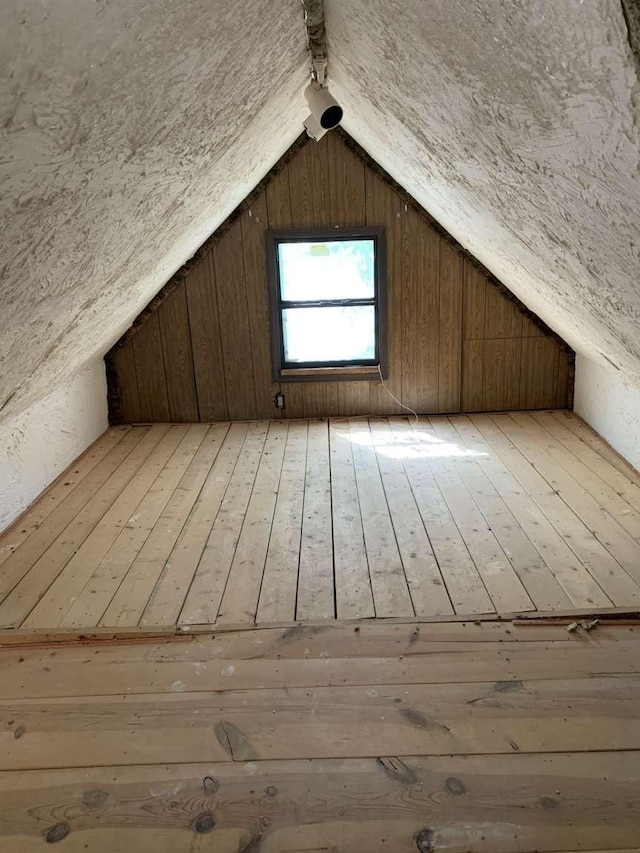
pixel 327 303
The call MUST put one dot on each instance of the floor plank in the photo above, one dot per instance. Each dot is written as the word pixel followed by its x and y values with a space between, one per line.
pixel 272 521
pixel 168 596
pixel 127 605
pixel 316 593
pixel 204 596
pixel 59 491
pixel 240 599
pixel 464 584
pixel 354 598
pixel 19 603
pixel 280 580
pixel 294 806
pixel 500 580
pixel 64 590
pixel 528 563
pixel 426 585
pixel 388 580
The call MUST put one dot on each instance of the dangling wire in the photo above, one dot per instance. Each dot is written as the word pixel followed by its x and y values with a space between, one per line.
pixel 393 397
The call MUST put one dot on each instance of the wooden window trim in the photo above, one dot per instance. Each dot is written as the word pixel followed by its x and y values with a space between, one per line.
pixel 348 371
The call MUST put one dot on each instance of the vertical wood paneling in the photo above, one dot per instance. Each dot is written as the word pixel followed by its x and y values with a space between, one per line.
pixel 205 341
pixel 455 342
pixel 309 185
pixel 347 192
pixel 420 313
pixel 176 349
pixel 279 200
pixel 539 373
pixel 125 369
pixel 561 397
pixel 384 207
pixel 252 223
pixel 235 337
pixel 475 288
pixel 450 329
pixel 279 216
pixel 149 363
pixel 320 399
pixel 502 318
pixel 501 374
pixel 472 375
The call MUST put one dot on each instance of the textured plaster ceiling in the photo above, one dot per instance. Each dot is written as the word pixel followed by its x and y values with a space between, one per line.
pixel 516 125
pixel 130 130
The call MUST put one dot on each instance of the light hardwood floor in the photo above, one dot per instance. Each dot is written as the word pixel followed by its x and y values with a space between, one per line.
pixel 484 738
pixel 275 521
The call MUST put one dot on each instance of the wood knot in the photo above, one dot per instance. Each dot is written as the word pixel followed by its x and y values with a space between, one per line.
pixel 426 841
pixel 205 822
pixel 94 798
pixel 548 803
pixel 17 734
pixel 455 786
pixel 210 785
pixel 57 833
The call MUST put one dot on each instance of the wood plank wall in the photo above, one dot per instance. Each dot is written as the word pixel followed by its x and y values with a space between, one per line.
pixel 456 341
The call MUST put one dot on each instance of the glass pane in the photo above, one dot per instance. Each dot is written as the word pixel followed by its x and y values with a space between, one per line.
pixel 329 334
pixel 338 269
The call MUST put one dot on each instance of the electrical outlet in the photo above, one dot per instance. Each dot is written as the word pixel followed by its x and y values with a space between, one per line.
pixel 278 401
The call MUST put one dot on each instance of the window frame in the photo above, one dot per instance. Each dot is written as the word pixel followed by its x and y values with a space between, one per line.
pixel 359 369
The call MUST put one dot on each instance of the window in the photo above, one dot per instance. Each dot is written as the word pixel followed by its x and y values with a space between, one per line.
pixel 327 305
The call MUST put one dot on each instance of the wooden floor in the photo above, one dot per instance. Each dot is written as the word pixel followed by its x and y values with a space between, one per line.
pixel 271 521
pixel 485 738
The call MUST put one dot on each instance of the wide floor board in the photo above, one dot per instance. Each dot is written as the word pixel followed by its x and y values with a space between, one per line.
pixel 488 737
pixel 276 521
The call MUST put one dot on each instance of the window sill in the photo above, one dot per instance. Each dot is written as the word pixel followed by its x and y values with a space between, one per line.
pixel 369 372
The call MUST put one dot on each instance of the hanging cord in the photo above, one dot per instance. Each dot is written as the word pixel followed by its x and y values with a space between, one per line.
pixel 379 417
pixel 393 396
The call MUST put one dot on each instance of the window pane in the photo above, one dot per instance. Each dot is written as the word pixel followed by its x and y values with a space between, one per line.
pixel 338 269
pixel 329 334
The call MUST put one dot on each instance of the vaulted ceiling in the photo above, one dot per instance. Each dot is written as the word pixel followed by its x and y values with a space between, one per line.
pixel 129 132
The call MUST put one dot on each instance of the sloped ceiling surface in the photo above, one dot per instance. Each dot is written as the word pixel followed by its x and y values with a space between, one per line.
pixel 129 131
pixel 516 125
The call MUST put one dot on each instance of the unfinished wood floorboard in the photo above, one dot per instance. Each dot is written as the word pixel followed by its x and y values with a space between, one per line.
pixel 58 492
pixel 545 591
pixel 589 553
pixel 388 580
pixel 19 603
pixel 623 485
pixel 426 585
pixel 167 598
pixel 594 535
pixel 128 603
pixel 204 596
pixel 64 590
pixel 93 600
pixel 327 803
pixel 215 749
pixel 240 600
pixel 277 601
pixel 316 594
pixel 273 521
pixel 464 584
pixel 354 598
pixel 501 582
